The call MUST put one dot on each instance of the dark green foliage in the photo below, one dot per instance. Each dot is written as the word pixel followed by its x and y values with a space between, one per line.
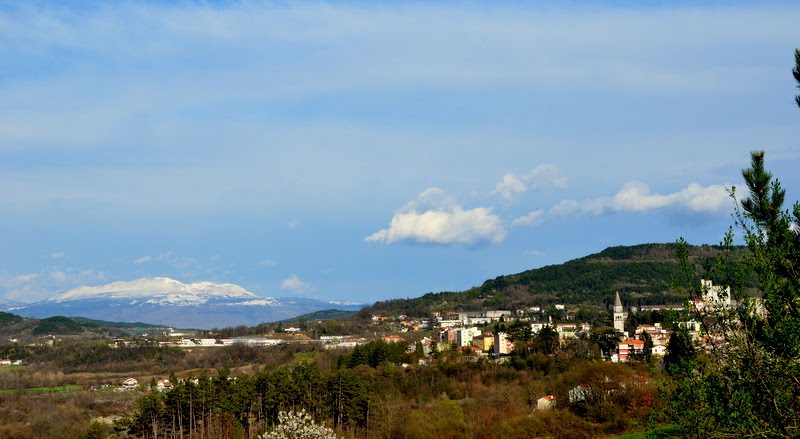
pixel 644 273
pixel 7 319
pixel 93 323
pixel 250 401
pixel 376 353
pixel 607 338
pixel 647 349
pixel 326 314
pixel 796 73
pixel 681 355
pixel 84 357
pixel 57 325
pixel 547 341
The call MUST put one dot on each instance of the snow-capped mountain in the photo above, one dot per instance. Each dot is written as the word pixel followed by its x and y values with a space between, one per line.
pixel 165 301
pixel 160 290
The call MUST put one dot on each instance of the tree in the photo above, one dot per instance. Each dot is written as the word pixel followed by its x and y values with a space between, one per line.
pixel 647 349
pixel 749 382
pixel 521 335
pixel 681 355
pixel 796 73
pixel 298 425
pixel 607 338
pixel 547 340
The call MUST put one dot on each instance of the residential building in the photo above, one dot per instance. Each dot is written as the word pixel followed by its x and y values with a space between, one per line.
pixel 464 336
pixel 546 403
pixel 502 345
pixel 628 348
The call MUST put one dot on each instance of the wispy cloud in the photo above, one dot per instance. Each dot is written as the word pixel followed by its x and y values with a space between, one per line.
pixel 143 260
pixel 545 176
pixel 436 218
pixel 57 255
pixel 293 283
pixel 532 219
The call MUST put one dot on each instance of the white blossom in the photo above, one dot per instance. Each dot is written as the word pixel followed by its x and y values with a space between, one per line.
pixel 298 425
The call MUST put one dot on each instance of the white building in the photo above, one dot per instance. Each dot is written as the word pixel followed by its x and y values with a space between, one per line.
pixel 130 383
pixel 546 402
pixel 619 315
pixel 464 336
pixel 502 345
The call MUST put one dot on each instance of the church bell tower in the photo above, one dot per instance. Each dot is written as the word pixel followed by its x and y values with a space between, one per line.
pixel 619 315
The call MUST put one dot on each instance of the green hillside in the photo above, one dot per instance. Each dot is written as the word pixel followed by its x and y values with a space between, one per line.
pixel 326 314
pixel 643 274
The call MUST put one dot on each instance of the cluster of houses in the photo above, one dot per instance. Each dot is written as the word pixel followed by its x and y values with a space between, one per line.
pixel 162 385
pixel 461 330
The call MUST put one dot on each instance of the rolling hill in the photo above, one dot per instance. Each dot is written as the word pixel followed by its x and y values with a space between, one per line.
pixel 643 274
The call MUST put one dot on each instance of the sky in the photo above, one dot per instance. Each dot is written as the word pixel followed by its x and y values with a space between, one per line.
pixel 363 151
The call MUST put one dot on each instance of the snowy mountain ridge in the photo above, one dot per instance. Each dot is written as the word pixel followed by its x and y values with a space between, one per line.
pixel 161 290
pixel 161 300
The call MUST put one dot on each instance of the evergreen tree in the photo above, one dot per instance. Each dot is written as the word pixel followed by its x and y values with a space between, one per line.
pixel 750 383
pixel 681 355
pixel 796 73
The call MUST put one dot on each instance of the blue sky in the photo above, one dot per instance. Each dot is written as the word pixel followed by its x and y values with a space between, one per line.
pixel 363 151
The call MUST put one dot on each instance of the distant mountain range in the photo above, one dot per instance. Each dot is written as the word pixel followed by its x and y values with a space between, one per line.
pixel 164 301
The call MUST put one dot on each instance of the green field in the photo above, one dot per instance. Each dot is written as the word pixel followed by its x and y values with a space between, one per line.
pixel 69 388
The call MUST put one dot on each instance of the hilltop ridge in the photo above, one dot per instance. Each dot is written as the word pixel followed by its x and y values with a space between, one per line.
pixel 643 274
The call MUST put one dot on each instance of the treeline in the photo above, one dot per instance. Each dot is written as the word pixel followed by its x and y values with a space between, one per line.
pixel 222 406
pixel 7 319
pixel 74 357
pixel 366 393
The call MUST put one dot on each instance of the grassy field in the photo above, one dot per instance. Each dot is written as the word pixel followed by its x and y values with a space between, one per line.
pixel 41 390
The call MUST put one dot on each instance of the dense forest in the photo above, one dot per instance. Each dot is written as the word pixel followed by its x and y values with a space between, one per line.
pixel 644 274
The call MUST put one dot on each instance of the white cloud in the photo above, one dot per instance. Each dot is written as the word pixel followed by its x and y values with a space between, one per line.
pixel 57 255
pixel 293 224
pixel 436 218
pixel 269 263
pixel 532 219
pixel 542 177
pixel 215 258
pixel 534 253
pixel 143 260
pixel 58 276
pixel 635 196
pixel 293 283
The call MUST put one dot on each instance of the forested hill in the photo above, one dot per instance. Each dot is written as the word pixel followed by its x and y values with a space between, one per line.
pixel 643 274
